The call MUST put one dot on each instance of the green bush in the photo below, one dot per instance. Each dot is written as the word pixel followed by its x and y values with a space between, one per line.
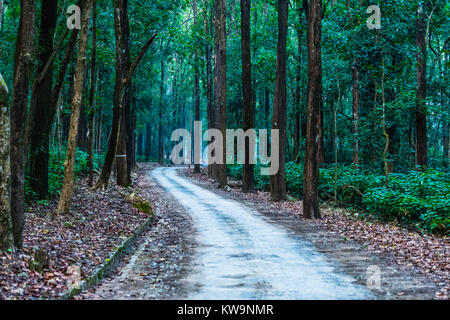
pixel 56 171
pixel 415 198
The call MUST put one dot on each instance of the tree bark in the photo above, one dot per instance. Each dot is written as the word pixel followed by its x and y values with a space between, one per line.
pixel 196 86
pixel 355 113
pixel 65 198
pixel 2 13
pixel 311 167
pixel 161 155
pixel 39 139
pixel 148 141
pixel 278 181
pixel 298 111
pixel 220 83
pixel 6 237
pixel 209 71
pixel 123 179
pixel 421 94
pixel 92 97
pixel 248 180
pixel 23 64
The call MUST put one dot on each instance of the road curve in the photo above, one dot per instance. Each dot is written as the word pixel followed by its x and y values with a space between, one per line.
pixel 243 255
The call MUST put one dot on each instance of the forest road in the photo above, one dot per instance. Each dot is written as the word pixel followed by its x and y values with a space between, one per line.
pixel 241 254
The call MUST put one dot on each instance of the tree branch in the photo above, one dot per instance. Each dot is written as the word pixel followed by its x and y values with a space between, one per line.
pixel 138 59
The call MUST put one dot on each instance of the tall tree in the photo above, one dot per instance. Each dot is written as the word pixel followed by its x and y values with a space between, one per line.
pixel 312 157
pixel 355 112
pixel 196 84
pixel 39 144
pixel 123 179
pixel 421 94
pixel 278 181
pixel 6 239
pixel 92 96
pixel 161 151
pixel 65 198
pixel 248 180
pixel 207 16
pixel 122 82
pixel 23 64
pixel 220 82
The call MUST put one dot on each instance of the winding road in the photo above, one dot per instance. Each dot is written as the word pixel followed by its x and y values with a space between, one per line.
pixel 243 255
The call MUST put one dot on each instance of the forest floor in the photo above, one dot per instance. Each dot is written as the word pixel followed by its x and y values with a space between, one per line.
pixel 72 246
pixel 400 253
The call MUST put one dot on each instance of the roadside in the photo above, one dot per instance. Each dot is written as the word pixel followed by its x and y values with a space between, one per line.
pixel 163 257
pixel 68 248
pixel 412 266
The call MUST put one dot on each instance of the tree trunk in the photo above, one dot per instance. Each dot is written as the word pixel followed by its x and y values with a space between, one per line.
pixel 209 79
pixel 196 89
pixel 297 111
pixel 311 167
pixel 131 143
pixel 148 141
pixel 2 13
pixel 161 155
pixel 278 181
pixel 99 130
pixel 23 64
pixel 355 113
pixel 421 95
pixel 65 198
pixel 248 105
pixel 39 144
pixel 123 179
pixel 6 237
pixel 92 97
pixel 220 82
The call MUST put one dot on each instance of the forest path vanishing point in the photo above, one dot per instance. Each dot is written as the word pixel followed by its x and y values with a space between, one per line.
pixel 224 249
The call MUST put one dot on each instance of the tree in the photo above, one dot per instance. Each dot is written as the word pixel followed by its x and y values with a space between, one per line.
pixel 122 82
pixel 209 81
pixel 65 198
pixel 421 93
pixel 123 179
pixel 312 161
pixel 23 64
pixel 278 181
pixel 247 92
pixel 39 142
pixel 196 85
pixel 92 97
pixel 220 83
pixel 6 238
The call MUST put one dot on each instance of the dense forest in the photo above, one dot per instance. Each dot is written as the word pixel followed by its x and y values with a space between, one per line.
pixel 357 89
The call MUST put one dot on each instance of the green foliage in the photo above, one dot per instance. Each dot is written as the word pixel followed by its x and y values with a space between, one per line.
pixel 415 198
pixel 56 172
